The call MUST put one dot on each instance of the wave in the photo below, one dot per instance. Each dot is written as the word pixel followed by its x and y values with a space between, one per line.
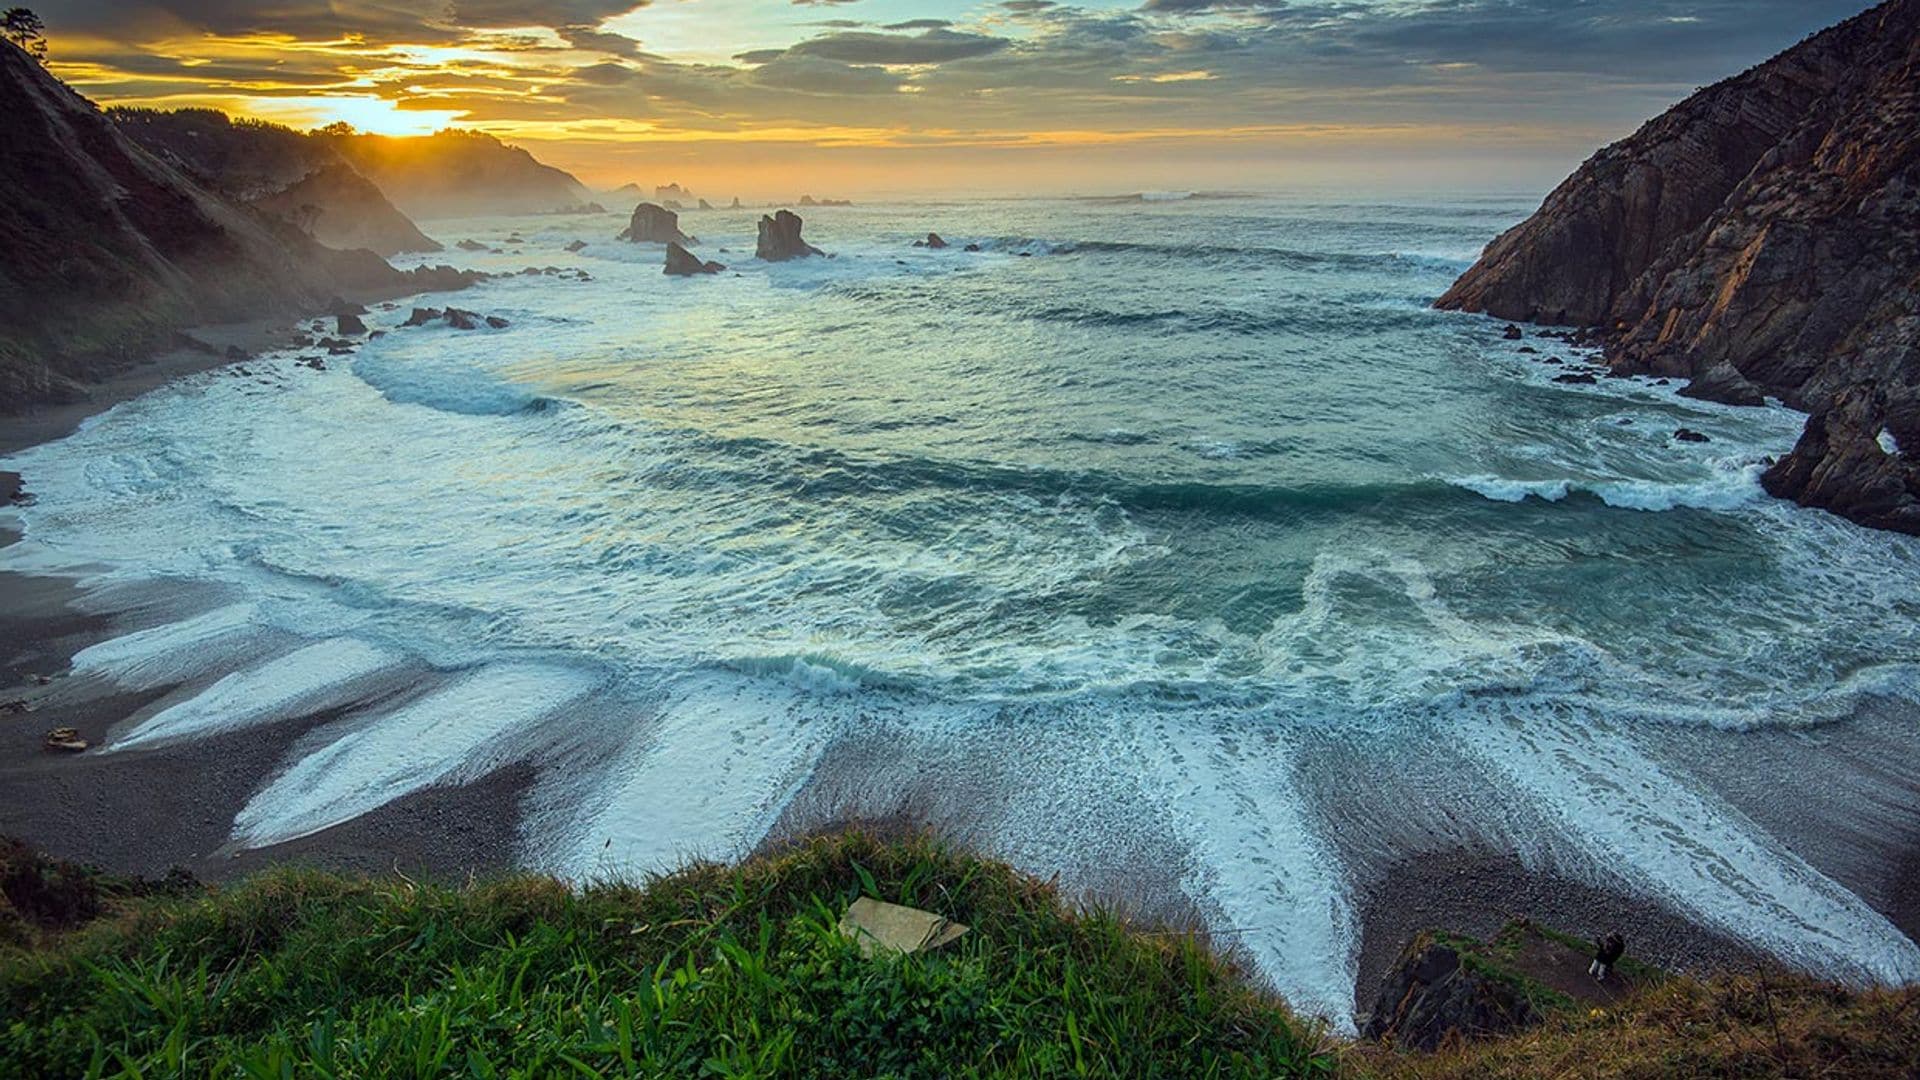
pixel 1730 489
pixel 1287 258
pixel 448 387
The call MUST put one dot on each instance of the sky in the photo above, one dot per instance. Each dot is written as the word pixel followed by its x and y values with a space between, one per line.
pixel 766 98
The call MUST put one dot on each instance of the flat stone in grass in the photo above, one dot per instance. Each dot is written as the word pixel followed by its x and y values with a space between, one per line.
pixel 876 924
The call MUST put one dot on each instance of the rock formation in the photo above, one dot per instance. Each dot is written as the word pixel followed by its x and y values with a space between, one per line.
pixel 780 238
pixel 1762 237
pixel 684 263
pixel 1433 996
pixel 110 250
pixel 653 224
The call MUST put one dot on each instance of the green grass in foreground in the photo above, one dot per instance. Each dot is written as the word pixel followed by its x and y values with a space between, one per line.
pixel 722 972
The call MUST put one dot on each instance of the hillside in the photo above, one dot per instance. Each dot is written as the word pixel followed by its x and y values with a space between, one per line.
pixel 296 178
pixel 110 250
pixel 458 174
pixel 1762 237
pixel 742 971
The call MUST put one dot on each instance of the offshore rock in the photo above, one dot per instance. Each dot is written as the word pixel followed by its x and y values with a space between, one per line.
pixel 1762 238
pixel 684 263
pixel 654 225
pixel 780 238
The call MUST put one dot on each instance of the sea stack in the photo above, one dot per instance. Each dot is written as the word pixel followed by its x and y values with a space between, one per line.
pixel 653 224
pixel 684 263
pixel 780 238
pixel 1760 238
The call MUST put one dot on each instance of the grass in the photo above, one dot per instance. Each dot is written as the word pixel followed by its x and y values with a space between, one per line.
pixel 740 972
pixel 720 972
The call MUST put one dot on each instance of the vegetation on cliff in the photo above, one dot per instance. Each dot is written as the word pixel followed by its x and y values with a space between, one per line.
pixel 742 972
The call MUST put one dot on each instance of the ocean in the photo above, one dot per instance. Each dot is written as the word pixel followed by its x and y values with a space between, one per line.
pixel 1164 540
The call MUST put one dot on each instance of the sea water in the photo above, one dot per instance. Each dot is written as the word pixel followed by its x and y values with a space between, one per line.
pixel 1162 538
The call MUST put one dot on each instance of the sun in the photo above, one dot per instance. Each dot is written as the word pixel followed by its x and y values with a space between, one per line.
pixel 374 115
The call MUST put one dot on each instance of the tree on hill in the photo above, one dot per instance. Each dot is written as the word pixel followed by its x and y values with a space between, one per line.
pixel 25 29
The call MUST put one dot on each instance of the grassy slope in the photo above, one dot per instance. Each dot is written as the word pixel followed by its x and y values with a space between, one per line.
pixel 712 971
pixel 738 972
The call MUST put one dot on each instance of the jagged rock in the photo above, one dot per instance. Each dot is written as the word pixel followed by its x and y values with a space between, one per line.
pixel 934 241
pixel 1762 238
pixel 684 263
pixel 1850 460
pixel 735 204
pixel 1512 333
pixel 577 245
pixel 349 324
pixel 1689 435
pixel 497 322
pixel 65 739
pixel 1433 996
pixel 471 245
pixel 654 225
pixel 780 238
pixel 705 205
pixel 422 316
pixel 462 320
pixel 12 488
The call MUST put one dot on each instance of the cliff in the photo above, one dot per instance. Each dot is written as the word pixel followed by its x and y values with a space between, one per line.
pixel 460 173
pixel 110 251
pixel 1763 236
pixel 300 179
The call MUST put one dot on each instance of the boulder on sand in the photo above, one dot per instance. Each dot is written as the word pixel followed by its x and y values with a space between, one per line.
pixel 780 238
pixel 653 224
pixel 684 263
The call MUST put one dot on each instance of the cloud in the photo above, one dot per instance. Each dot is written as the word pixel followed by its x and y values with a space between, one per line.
pixel 591 40
pixel 929 47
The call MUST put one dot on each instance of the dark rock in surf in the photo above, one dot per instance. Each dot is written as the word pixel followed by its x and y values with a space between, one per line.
pixel 577 245
pixel 422 316
pixel 1689 435
pixel 653 224
pixel 1579 378
pixel 471 245
pixel 349 324
pixel 497 322
pixel 780 238
pixel 684 263
pixel 971 247
pixel 1512 333
pixel 1850 460
pixel 462 320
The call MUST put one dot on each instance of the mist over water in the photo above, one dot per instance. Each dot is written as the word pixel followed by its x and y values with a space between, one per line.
pixel 1118 538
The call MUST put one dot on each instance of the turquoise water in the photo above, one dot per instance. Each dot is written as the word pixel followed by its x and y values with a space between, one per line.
pixel 1104 531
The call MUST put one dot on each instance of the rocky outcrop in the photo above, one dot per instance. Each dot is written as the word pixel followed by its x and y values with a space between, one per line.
pixel 653 224
pixel 1763 237
pixel 684 263
pixel 780 238
pixel 111 250
pixel 1436 996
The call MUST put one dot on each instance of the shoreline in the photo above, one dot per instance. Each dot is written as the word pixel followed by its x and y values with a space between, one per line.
pixel 146 811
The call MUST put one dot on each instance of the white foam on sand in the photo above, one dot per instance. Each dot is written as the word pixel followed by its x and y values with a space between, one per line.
pixel 706 780
pixel 1261 859
pixel 317 676
pixel 171 652
pixel 454 733
pixel 1665 837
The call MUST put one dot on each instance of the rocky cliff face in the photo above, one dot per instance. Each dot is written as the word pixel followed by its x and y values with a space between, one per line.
pixel 1762 236
pixel 109 250
pixel 300 179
